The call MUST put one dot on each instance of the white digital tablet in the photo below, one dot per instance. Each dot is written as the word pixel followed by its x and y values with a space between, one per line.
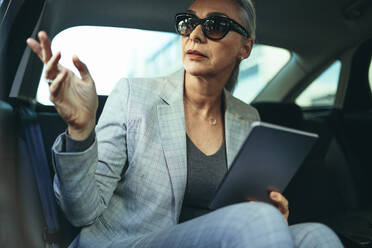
pixel 267 160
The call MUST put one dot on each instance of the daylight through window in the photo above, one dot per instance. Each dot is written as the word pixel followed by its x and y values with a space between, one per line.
pixel 322 91
pixel 370 75
pixel 112 53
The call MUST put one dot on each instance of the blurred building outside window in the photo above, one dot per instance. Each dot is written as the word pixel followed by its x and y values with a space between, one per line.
pixel 112 53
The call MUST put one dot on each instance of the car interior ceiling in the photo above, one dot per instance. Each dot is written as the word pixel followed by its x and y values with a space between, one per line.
pixel 332 186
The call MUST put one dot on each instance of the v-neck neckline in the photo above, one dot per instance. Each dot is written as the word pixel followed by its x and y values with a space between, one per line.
pixel 202 153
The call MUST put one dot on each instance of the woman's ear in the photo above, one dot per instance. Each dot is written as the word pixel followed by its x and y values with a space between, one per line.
pixel 246 48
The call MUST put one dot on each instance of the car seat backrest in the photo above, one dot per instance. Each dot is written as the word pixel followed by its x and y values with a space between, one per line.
pixel 9 221
pixel 284 114
pixel 21 216
pixel 322 185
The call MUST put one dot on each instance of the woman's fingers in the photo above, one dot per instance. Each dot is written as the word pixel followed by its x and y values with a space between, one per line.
pixel 35 46
pixel 82 68
pixel 42 49
pixel 45 46
pixel 281 203
pixel 56 85
pixel 51 69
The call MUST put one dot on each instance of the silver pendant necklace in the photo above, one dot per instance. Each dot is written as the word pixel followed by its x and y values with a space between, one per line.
pixel 212 121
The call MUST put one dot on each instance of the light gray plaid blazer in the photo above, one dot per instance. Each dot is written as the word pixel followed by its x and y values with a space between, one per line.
pixel 132 180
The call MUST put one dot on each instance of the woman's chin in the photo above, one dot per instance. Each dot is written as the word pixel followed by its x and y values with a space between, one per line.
pixel 197 71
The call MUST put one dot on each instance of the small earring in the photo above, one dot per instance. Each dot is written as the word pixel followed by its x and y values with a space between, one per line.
pixel 241 58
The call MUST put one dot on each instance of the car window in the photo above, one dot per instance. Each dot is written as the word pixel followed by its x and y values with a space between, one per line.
pixel 256 71
pixel 112 53
pixel 322 91
pixel 370 75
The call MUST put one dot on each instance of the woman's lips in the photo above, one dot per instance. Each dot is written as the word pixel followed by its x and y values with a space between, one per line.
pixel 195 54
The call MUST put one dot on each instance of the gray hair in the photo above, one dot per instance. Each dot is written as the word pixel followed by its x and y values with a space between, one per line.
pixel 249 19
pixel 248 16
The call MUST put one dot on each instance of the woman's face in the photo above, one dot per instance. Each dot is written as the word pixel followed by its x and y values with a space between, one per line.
pixel 219 56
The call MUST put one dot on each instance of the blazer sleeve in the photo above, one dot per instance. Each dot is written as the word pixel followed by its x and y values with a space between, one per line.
pixel 84 182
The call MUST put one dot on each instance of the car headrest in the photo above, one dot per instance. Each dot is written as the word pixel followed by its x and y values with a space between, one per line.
pixel 284 114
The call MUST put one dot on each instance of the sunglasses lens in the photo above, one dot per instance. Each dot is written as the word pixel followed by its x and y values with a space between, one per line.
pixel 216 28
pixel 185 24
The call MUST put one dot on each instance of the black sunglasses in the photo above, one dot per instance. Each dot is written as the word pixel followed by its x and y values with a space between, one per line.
pixel 214 27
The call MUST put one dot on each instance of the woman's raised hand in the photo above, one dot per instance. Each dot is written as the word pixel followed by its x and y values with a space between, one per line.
pixel 75 99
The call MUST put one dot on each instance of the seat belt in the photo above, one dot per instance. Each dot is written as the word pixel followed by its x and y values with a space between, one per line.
pixel 35 147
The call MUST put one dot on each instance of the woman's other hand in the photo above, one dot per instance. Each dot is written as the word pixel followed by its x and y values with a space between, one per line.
pixel 75 99
pixel 281 203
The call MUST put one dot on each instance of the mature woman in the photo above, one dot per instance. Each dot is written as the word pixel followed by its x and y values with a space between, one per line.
pixel 144 176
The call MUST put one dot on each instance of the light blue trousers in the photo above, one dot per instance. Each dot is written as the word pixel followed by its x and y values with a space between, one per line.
pixel 253 224
pixel 248 225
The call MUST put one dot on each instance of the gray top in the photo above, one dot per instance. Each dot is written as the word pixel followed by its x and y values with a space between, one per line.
pixel 204 174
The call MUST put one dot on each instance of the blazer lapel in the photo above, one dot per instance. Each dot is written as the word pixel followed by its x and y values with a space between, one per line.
pixel 171 116
pixel 236 127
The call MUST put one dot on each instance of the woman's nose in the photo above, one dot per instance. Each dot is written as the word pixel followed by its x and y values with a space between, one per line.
pixel 197 34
